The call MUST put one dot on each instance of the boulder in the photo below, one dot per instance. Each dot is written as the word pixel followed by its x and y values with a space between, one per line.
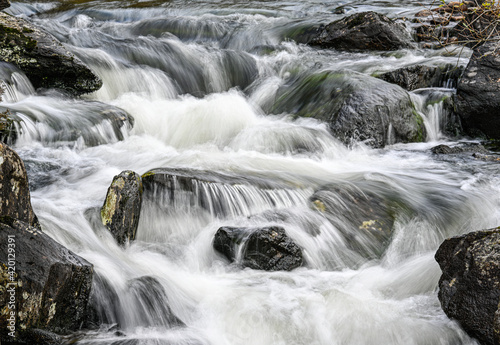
pixel 419 76
pixel 364 215
pixel 267 248
pixel 363 31
pixel 122 207
pixel 477 100
pixel 469 288
pixel 356 107
pixel 47 285
pixel 460 148
pixel 15 199
pixel 43 59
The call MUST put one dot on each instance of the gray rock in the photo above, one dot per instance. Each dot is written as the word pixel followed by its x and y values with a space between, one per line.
pixel 469 288
pixel 356 107
pixel 477 102
pixel 364 31
pixel 48 284
pixel 122 207
pixel 267 248
pixel 15 199
pixel 460 148
pixel 419 76
pixel 43 59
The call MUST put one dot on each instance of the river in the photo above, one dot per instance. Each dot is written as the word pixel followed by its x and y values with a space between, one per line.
pixel 198 78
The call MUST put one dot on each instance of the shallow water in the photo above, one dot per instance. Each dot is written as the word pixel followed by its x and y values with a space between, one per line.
pixel 198 79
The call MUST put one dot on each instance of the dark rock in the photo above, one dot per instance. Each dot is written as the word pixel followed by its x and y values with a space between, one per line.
pixel 122 207
pixel 477 100
pixel 49 285
pixel 43 59
pixel 419 76
pixel 362 214
pixel 14 190
pixel 469 288
pixel 267 248
pixel 356 106
pixel 4 4
pixel 364 31
pixel 104 304
pixel 461 148
pixel 150 303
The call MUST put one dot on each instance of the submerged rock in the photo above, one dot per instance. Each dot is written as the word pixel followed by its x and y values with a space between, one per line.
pixel 477 100
pixel 43 59
pixel 14 190
pixel 419 76
pixel 364 31
pixel 460 148
pixel 356 106
pixel 365 218
pixel 469 288
pixel 267 248
pixel 122 207
pixel 48 286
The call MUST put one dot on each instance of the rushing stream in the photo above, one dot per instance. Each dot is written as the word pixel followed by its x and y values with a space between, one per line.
pixel 199 79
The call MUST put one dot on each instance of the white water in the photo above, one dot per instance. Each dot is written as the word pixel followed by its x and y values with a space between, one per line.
pixel 340 296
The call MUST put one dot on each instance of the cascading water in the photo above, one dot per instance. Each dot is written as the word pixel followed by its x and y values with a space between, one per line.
pixel 197 80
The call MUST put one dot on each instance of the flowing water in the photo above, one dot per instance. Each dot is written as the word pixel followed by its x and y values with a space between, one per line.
pixel 198 78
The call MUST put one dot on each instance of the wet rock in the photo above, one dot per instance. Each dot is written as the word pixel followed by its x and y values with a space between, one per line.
pixel 267 248
pixel 14 190
pixel 477 100
pixel 221 194
pixel 364 217
pixel 364 31
pixel 43 59
pixel 104 304
pixel 460 148
pixel 48 285
pixel 150 303
pixel 469 288
pixel 122 207
pixel 357 107
pixel 419 76
pixel 4 4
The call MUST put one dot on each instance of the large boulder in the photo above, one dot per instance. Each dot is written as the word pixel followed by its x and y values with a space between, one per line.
pixel 477 101
pixel 43 59
pixel 122 207
pixel 364 31
pixel 15 199
pixel 356 106
pixel 46 287
pixel 469 288
pixel 267 248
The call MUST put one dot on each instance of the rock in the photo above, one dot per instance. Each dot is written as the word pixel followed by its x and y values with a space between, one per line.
pixel 122 207
pixel 469 288
pixel 356 107
pixel 364 31
pixel 221 194
pixel 43 59
pixel 14 190
pixel 4 4
pixel 419 76
pixel 461 148
pixel 477 100
pixel 267 248
pixel 48 284
pixel 362 214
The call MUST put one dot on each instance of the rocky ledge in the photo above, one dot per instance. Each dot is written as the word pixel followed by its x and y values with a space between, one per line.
pixel 43 59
